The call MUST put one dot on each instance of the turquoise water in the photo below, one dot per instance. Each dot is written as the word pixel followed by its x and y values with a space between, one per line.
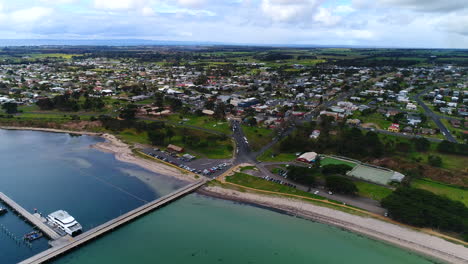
pixel 199 229
pixel 58 171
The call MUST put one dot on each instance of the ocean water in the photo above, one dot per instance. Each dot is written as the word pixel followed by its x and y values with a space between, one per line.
pixel 57 171
pixel 49 171
pixel 203 230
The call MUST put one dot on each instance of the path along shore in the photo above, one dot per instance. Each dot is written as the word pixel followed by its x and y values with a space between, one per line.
pixel 403 237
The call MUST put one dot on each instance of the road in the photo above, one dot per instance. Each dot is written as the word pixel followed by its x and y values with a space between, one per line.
pixel 245 155
pixel 434 116
pixel 309 117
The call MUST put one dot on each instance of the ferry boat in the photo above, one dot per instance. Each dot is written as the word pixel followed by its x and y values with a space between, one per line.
pixel 2 210
pixel 66 222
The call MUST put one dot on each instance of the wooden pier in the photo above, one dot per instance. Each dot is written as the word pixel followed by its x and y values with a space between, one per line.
pixel 34 220
pixel 79 240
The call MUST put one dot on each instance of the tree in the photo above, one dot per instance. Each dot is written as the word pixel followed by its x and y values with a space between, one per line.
pixel 156 137
pixel 129 112
pixel 10 108
pixel 45 104
pixel 341 185
pixel 201 80
pixel 302 175
pixel 422 144
pixel 336 169
pixel 425 209
pixel 435 161
pixel 176 105
pixel 170 133
pixel 159 100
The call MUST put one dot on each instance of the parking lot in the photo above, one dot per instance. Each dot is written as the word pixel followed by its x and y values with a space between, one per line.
pixel 207 167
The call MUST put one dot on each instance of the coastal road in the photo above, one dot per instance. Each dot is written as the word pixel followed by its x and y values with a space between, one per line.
pixel 434 116
pixel 361 202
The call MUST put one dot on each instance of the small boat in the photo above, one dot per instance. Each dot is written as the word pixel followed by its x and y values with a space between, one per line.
pixel 3 210
pixel 31 236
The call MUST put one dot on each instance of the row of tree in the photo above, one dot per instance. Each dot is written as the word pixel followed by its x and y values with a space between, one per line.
pixel 425 209
pixel 70 103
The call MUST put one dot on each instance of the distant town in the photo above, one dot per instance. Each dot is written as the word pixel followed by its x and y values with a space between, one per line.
pixel 380 130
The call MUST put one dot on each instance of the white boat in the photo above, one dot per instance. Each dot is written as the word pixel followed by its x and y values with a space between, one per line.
pixel 66 222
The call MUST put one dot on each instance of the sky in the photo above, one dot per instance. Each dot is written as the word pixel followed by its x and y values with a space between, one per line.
pixel 386 23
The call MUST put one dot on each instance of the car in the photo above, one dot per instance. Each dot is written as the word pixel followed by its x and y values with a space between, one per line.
pixel 330 193
pixel 316 192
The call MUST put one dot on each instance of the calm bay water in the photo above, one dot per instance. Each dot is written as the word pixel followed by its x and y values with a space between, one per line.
pixel 203 230
pixel 51 171
pixel 57 171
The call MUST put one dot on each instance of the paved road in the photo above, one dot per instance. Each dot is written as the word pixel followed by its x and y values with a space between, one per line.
pixel 434 116
pixel 308 118
pixel 361 202
pixel 198 165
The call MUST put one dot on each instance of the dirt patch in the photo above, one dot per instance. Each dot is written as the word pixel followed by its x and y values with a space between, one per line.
pixel 370 125
pixel 82 125
pixel 423 170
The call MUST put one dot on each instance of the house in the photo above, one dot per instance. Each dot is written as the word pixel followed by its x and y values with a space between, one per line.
pixel 208 112
pixel 353 122
pixel 175 148
pixel 394 128
pixel 315 134
pixel 411 106
pixel 455 123
pixel 427 131
pixel 414 120
pixel 307 157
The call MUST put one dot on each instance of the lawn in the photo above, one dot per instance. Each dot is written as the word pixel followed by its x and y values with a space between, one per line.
pixel 246 168
pixel 375 118
pixel 373 191
pixel 282 157
pixel 452 192
pixel 261 184
pixel 52 55
pixel 329 160
pixel 257 136
pixel 206 122
pixel 211 148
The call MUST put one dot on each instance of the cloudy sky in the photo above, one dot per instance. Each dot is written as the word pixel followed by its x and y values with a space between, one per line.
pixel 399 23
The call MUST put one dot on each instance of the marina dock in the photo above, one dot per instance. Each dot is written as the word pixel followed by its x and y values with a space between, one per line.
pixel 71 243
pixel 34 220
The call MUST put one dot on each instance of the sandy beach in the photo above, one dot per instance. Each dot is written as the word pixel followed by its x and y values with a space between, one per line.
pixel 122 152
pixel 422 243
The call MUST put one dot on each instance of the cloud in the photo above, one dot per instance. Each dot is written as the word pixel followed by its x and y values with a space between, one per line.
pixel 119 4
pixel 326 18
pixel 455 23
pixel 289 10
pixel 191 3
pixel 414 5
pixel 30 15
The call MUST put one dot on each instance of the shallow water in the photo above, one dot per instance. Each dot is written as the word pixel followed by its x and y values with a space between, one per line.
pixel 200 229
pixel 51 171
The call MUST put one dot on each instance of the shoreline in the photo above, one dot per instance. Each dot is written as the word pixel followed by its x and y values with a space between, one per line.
pixel 414 241
pixel 423 244
pixel 121 151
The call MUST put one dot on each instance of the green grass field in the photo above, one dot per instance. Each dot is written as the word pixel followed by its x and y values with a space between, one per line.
pixel 452 192
pixel 206 122
pixel 282 157
pixel 329 160
pixel 261 184
pixel 373 191
pixel 257 136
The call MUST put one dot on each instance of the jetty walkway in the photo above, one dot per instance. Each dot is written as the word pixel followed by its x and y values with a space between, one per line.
pixel 34 220
pixel 79 240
